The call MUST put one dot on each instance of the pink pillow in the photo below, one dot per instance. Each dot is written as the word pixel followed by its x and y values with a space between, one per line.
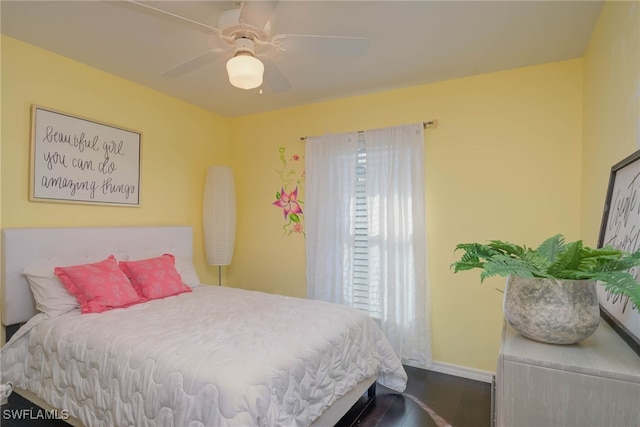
pixel 98 287
pixel 154 278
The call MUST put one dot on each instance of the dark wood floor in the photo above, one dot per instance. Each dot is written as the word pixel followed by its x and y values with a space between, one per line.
pixel 457 401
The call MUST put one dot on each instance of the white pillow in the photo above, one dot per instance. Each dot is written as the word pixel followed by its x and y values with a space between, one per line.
pixel 51 297
pixel 187 271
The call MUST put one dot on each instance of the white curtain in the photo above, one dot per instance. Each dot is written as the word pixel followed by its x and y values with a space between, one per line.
pixel 330 177
pixel 396 230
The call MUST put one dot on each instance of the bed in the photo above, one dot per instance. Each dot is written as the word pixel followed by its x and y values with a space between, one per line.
pixel 212 356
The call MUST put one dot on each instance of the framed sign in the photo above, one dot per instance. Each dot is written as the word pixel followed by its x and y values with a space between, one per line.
pixel 79 160
pixel 621 229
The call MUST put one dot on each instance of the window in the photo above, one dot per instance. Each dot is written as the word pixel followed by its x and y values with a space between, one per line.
pixel 366 243
pixel 365 296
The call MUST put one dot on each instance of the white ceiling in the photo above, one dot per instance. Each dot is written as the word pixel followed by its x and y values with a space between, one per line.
pixel 409 43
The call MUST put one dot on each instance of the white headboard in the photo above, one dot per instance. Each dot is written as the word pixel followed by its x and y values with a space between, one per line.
pixel 26 246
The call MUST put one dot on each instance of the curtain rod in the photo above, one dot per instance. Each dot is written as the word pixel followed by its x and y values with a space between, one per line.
pixel 433 122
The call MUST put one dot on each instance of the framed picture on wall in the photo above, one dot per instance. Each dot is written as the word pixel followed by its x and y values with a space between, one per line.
pixel 620 229
pixel 80 160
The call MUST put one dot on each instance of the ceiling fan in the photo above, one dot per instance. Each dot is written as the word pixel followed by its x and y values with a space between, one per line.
pixel 240 32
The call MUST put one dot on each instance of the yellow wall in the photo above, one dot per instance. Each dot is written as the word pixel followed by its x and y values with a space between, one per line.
pixel 503 163
pixel 612 105
pixel 179 142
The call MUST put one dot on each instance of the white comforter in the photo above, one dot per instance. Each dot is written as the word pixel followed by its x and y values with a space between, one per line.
pixel 213 357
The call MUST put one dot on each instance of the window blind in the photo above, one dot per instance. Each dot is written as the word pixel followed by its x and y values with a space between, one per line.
pixel 364 296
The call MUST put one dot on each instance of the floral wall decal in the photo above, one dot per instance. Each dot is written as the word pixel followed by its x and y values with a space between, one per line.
pixel 292 176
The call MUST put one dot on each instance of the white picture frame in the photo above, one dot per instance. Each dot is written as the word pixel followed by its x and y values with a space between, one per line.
pixel 79 160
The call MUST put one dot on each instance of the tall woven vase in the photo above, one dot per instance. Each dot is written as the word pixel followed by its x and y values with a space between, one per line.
pixel 552 311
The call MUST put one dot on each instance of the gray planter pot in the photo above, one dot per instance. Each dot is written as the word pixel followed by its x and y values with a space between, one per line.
pixel 552 311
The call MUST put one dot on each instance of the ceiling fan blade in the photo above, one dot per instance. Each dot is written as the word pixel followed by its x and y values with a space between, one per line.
pixel 257 13
pixel 331 45
pixel 165 14
pixel 273 76
pixel 193 63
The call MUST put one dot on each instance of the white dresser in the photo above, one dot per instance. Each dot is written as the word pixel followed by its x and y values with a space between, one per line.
pixel 595 383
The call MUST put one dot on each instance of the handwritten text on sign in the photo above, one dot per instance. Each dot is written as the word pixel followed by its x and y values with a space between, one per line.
pixel 84 161
pixel 622 231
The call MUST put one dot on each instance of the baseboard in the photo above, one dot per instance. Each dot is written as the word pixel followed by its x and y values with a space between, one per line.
pixel 461 371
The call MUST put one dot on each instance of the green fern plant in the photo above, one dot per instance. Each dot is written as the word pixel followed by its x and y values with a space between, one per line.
pixel 554 259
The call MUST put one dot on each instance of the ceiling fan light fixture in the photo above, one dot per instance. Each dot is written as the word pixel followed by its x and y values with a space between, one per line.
pixel 245 71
